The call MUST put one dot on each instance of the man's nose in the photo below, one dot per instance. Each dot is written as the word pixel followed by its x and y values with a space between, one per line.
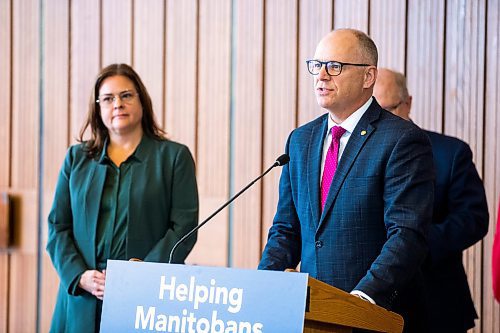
pixel 322 75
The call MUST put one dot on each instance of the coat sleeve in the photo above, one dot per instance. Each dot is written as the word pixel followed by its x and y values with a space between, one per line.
pixel 408 196
pixel 67 259
pixel 466 221
pixel 183 213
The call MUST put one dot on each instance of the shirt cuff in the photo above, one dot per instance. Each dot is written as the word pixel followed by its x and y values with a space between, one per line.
pixel 363 296
pixel 73 286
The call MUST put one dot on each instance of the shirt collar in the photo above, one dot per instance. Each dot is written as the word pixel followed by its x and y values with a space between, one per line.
pixel 104 159
pixel 350 123
pixel 138 155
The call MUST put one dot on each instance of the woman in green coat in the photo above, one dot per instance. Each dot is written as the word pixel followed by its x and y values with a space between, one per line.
pixel 127 192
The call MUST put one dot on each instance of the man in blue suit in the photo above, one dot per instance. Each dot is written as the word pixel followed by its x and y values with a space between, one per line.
pixel 460 216
pixel 368 237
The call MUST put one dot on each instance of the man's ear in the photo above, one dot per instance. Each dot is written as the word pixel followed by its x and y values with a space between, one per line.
pixel 370 77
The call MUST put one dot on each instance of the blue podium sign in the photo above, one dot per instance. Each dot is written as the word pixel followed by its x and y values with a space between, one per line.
pixel 155 297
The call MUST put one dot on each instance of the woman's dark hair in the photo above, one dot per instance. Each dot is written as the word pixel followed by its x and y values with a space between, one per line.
pixel 99 132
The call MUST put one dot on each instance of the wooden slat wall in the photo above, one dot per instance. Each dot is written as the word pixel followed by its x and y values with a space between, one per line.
pixel 181 91
pixel 425 61
pixel 228 79
pixel 116 32
pixel 246 138
pixel 388 31
pixel 315 20
pixel 56 120
pixel 351 14
pixel 85 58
pixel 464 101
pixel 214 65
pixel 280 94
pixel 5 89
pixel 148 50
pixel 5 139
pixel 24 164
pixel 491 309
pixel 4 292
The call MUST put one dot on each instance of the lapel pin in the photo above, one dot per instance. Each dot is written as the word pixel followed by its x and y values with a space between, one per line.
pixel 363 132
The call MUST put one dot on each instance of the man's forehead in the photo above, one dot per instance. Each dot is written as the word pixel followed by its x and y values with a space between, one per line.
pixel 386 90
pixel 340 47
pixel 386 80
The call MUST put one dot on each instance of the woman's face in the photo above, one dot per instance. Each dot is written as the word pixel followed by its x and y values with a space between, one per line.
pixel 121 109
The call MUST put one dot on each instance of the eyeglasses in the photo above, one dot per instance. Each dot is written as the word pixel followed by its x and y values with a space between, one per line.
pixel 107 100
pixel 333 68
pixel 393 107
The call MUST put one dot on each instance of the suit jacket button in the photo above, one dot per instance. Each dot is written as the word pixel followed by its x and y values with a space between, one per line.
pixel 319 244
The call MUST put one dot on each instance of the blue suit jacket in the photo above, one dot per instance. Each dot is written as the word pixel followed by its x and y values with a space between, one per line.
pixel 371 234
pixel 460 219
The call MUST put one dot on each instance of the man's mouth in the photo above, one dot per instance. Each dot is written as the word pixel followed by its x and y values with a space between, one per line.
pixel 323 90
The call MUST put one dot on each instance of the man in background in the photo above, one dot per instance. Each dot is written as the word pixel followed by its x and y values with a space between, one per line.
pixel 460 216
pixel 356 198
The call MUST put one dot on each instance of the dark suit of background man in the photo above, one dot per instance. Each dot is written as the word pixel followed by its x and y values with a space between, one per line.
pixel 460 216
pixel 369 239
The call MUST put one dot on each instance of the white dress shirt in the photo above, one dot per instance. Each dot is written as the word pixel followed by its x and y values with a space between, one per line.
pixel 349 124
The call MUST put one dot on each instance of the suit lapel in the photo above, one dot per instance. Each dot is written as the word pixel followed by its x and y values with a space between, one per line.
pixel 357 140
pixel 315 152
pixel 95 186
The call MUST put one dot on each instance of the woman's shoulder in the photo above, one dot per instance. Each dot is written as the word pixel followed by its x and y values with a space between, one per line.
pixel 168 145
pixel 77 150
pixel 161 150
pixel 77 154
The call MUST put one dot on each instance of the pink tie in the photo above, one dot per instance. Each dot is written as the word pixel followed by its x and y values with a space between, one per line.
pixel 330 163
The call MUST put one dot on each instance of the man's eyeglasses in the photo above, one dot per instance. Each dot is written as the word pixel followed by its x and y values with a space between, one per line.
pixel 107 100
pixel 333 68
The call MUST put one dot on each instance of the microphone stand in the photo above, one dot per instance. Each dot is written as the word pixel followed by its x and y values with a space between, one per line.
pixel 280 161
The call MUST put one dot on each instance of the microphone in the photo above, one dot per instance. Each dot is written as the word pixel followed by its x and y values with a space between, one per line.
pixel 280 161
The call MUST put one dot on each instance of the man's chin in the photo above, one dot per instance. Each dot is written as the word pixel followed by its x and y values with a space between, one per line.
pixel 322 102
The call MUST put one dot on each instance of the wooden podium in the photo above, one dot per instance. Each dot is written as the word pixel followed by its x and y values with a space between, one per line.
pixel 329 309
pixel 148 296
